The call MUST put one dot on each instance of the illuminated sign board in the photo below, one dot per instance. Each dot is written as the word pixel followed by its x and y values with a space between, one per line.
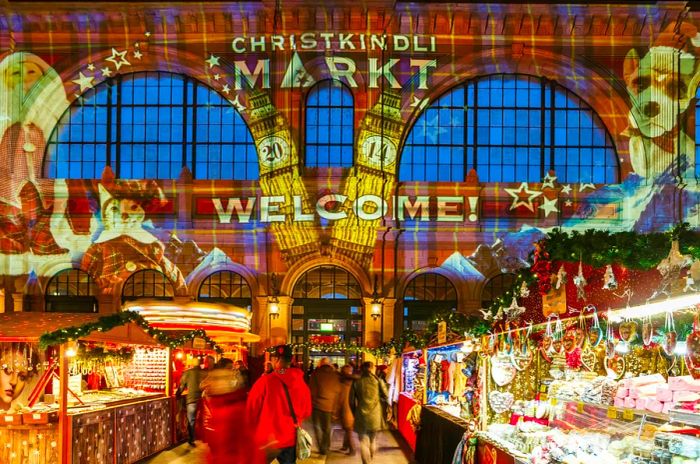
pixel 326 327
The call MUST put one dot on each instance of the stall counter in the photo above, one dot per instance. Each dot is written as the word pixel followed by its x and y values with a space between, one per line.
pixel 438 437
pixel 406 403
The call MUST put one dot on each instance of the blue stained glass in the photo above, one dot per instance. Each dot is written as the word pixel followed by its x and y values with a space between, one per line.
pixel 508 173
pixel 431 173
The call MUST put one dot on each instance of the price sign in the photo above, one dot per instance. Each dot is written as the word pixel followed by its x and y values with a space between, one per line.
pixel 628 414
pixel 579 407
pixel 612 412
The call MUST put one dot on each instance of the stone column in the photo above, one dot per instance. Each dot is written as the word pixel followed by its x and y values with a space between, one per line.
pixel 275 329
pixel 372 327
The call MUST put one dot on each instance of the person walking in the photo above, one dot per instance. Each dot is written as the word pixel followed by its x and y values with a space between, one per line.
pixel 190 383
pixel 368 395
pixel 347 420
pixel 325 388
pixel 245 373
pixel 273 402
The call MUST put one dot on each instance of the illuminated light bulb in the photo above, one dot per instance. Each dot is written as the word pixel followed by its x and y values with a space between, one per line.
pixel 179 355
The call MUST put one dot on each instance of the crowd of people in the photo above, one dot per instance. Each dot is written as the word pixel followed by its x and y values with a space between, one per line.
pixel 235 414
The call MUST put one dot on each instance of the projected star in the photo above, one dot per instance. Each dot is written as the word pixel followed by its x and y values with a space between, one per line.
pixel 91 67
pixel 118 58
pixel 213 61
pixel 226 89
pixel 566 189
pixel 583 187
pixel 418 102
pixel 85 82
pixel 138 54
pixel 106 72
pixel 217 77
pixel 237 104
pixel 522 196
pixel 549 206
pixel 548 181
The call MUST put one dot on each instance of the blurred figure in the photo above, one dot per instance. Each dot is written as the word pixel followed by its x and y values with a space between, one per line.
pixel 245 374
pixel 190 386
pixel 225 393
pixel 268 368
pixel 347 420
pixel 366 397
pixel 336 367
pixel 269 408
pixel 325 388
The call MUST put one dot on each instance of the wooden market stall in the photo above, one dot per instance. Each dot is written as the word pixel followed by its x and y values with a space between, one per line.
pixel 63 420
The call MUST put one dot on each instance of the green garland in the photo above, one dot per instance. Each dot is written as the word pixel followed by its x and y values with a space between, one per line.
pixel 599 248
pixel 101 354
pixel 107 323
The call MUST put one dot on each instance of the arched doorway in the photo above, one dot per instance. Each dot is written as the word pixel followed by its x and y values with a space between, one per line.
pixel 327 309
pixel 425 295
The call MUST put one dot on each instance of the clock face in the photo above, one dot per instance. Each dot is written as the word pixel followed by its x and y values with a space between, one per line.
pixel 379 151
pixel 273 151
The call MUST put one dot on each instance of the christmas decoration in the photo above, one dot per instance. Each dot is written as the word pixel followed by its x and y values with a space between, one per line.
pixel 669 342
pixel 693 346
pixel 561 277
pixel 670 268
pixel 513 311
pixel 628 331
pixel 609 281
pixel 524 290
pixel 647 331
pixel 107 323
pixel 580 283
pixel 689 284
pixel 541 268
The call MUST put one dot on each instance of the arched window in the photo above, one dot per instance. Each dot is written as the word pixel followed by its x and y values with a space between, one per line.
pixel 425 295
pixel 148 125
pixel 327 308
pixel 147 283
pixel 225 287
pixel 329 125
pixel 71 291
pixel 510 128
pixel 496 287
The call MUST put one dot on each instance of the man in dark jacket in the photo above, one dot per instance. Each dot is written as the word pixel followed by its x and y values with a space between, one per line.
pixel 325 388
pixel 190 382
pixel 368 395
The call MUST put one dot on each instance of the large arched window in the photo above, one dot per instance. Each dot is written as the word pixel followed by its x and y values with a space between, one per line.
pixel 510 128
pixel 425 295
pixel 147 283
pixel 71 291
pixel 225 287
pixel 327 308
pixel 149 125
pixel 495 287
pixel 329 125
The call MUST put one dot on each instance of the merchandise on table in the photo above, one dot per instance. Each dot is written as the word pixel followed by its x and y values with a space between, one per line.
pixel 451 383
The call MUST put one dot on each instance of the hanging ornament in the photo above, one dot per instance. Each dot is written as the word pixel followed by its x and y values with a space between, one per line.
pixel 669 344
pixel 542 268
pixel 609 281
pixel 561 277
pixel 524 291
pixel 689 284
pixel 647 330
pixel 692 359
pixel 609 342
pixel 580 283
pixel 670 268
pixel 513 311
pixel 595 335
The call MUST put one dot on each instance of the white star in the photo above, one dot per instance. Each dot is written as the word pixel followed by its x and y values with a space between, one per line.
pixel 118 58
pixel 516 194
pixel 106 72
pixel 566 189
pixel 568 203
pixel 85 82
pixel 147 34
pixel 212 61
pixel 226 89
pixel 583 187
pixel 237 104
pixel 91 67
pixel 549 206
pixel 217 77
pixel 418 102
pixel 138 54
pixel 137 44
pixel 548 181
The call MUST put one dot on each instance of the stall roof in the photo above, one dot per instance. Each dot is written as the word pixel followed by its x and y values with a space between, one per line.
pixel 28 327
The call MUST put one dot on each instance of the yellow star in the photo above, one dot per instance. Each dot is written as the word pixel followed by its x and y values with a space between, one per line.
pixel 106 72
pixel 226 89
pixel 517 197
pixel 85 82
pixel 548 181
pixel 118 58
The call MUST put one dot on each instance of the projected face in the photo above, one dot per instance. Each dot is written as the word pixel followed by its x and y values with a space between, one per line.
pixel 24 73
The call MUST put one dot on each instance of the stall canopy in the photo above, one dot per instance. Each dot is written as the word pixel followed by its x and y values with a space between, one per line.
pixel 29 327
pixel 223 323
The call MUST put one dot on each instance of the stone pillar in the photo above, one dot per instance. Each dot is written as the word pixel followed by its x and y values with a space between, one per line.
pixel 274 330
pixel 18 302
pixel 372 327
pixel 388 318
pixel 105 304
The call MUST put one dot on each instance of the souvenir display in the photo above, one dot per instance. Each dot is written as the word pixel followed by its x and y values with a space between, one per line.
pixel 452 378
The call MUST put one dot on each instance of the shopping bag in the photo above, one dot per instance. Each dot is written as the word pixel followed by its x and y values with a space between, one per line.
pixel 303 444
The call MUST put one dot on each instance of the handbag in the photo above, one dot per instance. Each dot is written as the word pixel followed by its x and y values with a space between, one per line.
pixel 303 438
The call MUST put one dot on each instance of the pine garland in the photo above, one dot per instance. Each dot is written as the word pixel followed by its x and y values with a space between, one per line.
pixel 107 323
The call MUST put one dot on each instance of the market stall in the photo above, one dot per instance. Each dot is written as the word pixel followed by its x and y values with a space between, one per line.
pixel 411 395
pixel 99 398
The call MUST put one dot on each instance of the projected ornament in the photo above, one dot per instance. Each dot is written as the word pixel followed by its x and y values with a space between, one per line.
pixel 609 281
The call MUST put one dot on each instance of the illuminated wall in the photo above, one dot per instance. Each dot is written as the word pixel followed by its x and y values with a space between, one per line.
pixel 185 140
